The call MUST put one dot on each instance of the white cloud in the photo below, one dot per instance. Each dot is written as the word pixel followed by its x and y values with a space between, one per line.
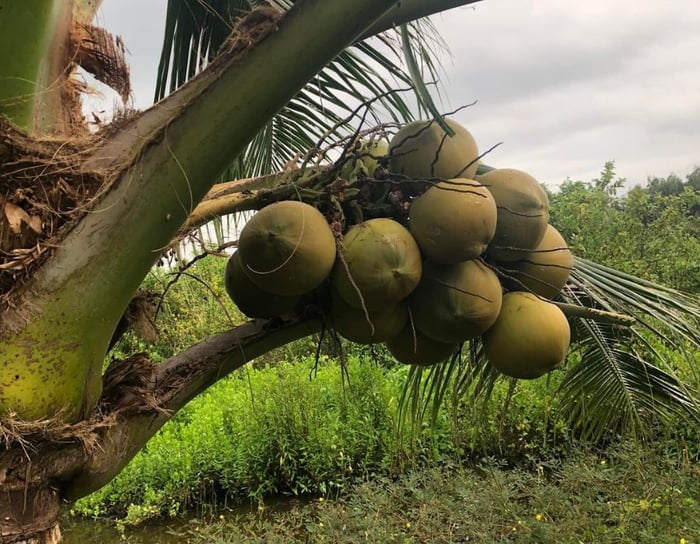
pixel 569 85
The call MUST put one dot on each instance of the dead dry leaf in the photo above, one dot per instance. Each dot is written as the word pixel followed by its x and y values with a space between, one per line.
pixel 16 216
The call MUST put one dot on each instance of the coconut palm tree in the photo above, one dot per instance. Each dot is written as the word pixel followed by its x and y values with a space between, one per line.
pixel 83 218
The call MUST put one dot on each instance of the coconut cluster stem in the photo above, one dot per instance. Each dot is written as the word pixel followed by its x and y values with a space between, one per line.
pixel 602 316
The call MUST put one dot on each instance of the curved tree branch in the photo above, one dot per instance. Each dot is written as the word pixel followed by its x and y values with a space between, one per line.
pixel 601 316
pixel 231 197
pixel 171 385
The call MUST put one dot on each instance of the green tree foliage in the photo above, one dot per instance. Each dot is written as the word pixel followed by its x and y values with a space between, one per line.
pixel 652 231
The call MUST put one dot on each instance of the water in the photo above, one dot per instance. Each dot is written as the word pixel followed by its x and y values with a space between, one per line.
pixel 86 531
pixel 179 530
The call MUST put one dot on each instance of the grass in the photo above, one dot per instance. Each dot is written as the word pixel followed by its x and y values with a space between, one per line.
pixel 301 430
pixel 591 497
pixel 509 470
pixel 291 429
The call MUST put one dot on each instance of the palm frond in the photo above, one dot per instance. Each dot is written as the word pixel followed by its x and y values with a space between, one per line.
pixel 196 29
pixel 615 390
pixel 660 309
pixel 622 384
pixel 427 388
pixel 424 97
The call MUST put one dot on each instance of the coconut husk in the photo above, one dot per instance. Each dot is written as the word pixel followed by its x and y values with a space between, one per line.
pixel 530 337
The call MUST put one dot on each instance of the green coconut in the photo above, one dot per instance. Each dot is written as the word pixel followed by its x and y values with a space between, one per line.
pixel 287 248
pixel 423 150
pixel 365 158
pixel 456 302
pixel 376 326
pixel 379 264
pixel 545 269
pixel 250 299
pixel 453 221
pixel 412 347
pixel 523 212
pixel 529 338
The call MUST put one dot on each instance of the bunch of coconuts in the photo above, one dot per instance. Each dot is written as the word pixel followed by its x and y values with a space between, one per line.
pixel 475 258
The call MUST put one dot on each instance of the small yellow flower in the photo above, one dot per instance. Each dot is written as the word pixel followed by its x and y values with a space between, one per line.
pixel 321 499
pixel 644 504
pixel 320 524
pixel 682 541
pixel 221 517
pixel 408 525
pixel 602 461
pixel 538 517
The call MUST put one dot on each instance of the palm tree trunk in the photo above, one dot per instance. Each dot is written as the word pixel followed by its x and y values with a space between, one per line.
pixel 29 499
pixel 34 65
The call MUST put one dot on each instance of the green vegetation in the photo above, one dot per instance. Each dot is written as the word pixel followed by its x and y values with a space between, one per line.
pixel 299 430
pixel 292 425
pixel 651 231
pixel 589 497
pixel 288 429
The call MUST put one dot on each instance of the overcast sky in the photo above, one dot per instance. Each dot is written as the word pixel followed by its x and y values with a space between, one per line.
pixel 564 85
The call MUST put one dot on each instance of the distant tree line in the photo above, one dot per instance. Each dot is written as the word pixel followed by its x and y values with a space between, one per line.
pixel 652 231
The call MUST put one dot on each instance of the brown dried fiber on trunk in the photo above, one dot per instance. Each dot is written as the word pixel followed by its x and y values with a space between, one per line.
pixel 42 188
pixel 102 54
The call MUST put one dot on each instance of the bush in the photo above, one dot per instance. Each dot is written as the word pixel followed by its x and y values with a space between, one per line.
pixel 287 429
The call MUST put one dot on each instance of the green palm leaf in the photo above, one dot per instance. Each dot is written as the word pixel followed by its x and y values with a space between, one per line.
pixel 614 389
pixel 656 307
pixel 195 30
pixel 622 383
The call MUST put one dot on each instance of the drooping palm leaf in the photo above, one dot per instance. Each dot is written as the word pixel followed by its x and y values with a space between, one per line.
pixel 622 383
pixel 424 98
pixel 196 29
pixel 614 389
pixel 654 306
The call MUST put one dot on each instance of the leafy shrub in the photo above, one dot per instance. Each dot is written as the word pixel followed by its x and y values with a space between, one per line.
pixel 277 430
